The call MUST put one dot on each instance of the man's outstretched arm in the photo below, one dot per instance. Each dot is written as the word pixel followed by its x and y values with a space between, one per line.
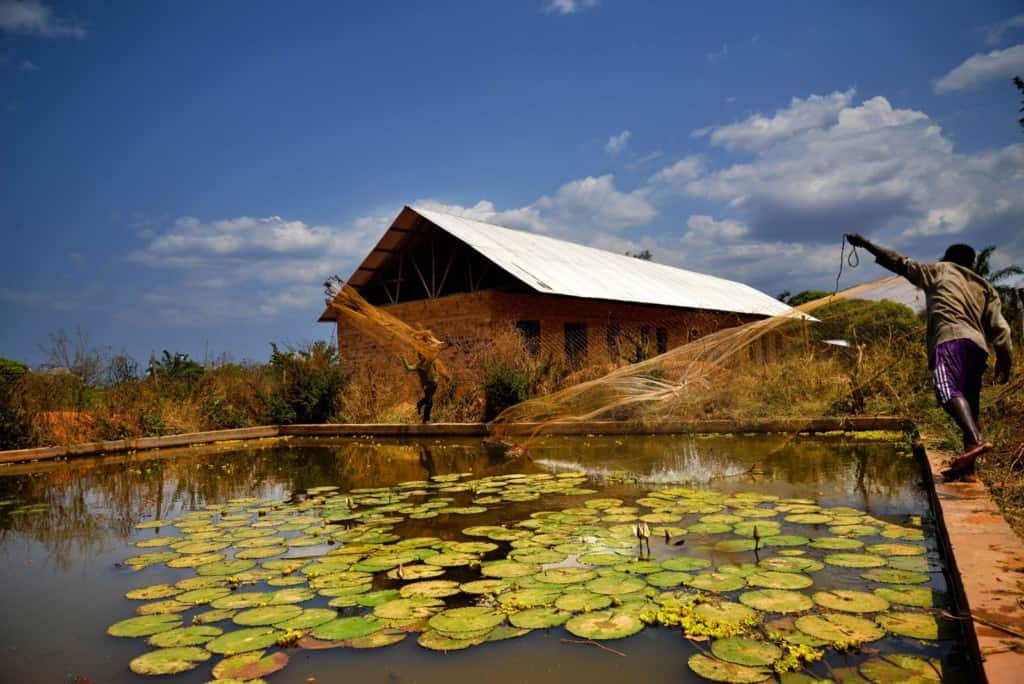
pixel 916 272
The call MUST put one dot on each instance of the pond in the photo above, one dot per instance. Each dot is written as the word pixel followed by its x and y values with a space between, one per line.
pixel 378 560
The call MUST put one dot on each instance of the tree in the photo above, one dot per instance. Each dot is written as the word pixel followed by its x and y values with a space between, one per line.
pixel 1011 297
pixel 644 255
pixel 1020 86
pixel 805 296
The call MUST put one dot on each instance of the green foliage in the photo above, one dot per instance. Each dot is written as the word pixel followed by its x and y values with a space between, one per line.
pixel 11 425
pixel 309 383
pixel 866 322
pixel 804 297
pixel 174 367
pixel 505 384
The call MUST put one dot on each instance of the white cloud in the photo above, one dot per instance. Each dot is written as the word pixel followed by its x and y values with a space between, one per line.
pixel 617 143
pixel 569 6
pixel 757 131
pixel 994 32
pixel 578 209
pixel 869 168
pixel 679 173
pixel 980 68
pixel 28 66
pixel 704 228
pixel 34 18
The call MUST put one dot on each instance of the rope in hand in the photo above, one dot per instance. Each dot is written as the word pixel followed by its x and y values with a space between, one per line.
pixel 852 260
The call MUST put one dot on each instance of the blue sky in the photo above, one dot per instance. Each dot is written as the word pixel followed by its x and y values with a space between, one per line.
pixel 184 175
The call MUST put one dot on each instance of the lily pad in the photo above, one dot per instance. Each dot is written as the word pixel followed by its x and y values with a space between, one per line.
pixel 724 612
pixel 506 569
pixel 855 560
pixel 667 579
pixel 484 586
pixel 919 597
pixel 167 661
pixel 215 615
pixel 840 628
pixel 582 601
pixel 901 668
pixel 199 597
pixel 385 637
pixel 539 618
pixel 918 625
pixel 309 618
pixel 685 564
pixel 268 615
pixel 720 671
pixel 791 564
pixel 435 641
pixel 184 636
pixel 231 567
pixel 408 610
pixel 851 601
pixel 745 651
pixel 243 640
pixel 776 600
pixel 716 581
pixel 892 576
pixel 837 543
pixel 430 588
pixel 347 628
pixel 772 579
pixel 156 591
pixel 566 575
pixel 785 540
pixel 529 598
pixel 615 585
pixel 604 625
pixel 247 666
pixel 735 545
pixel 145 625
pixel 415 572
pixel 894 549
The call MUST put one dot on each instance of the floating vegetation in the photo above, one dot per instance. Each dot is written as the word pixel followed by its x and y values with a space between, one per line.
pixel 335 570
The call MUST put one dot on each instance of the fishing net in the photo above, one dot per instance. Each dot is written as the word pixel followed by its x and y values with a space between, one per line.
pixel 701 378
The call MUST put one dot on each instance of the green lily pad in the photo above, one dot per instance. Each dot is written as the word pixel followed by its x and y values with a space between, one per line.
pixel 764 528
pixel 785 540
pixel 837 543
pixel 919 625
pixel 776 600
pixel 375 598
pixel 385 637
pixel 504 632
pixel 241 599
pixel 145 625
pixel 539 618
pixel 604 625
pixel 615 585
pixel 156 591
pixel 309 618
pixel 745 651
pixel 582 601
pixel 685 564
pixel 244 640
pixel 791 564
pixel 915 563
pixel 721 671
pixel 484 586
pixel 435 641
pixel 466 623
pixel 146 559
pixel 232 567
pixel 901 668
pixel 637 567
pixel 529 598
pixel 919 597
pixel 166 606
pixel 215 615
pixel 850 601
pixel 855 560
pixel 199 597
pixel 892 576
pixel 709 528
pixel 839 628
pixel 735 545
pixel 506 569
pixel 184 636
pixel 894 549
pixel 808 518
pixel 247 666
pixel 347 628
pixel 430 588
pixel 566 575
pixel 537 556
pixel 855 530
pixel 166 661
pixel 716 581
pixel 268 615
pixel 452 559
pixel 667 579
pixel 415 572
pixel 408 610
pixel 772 579
pixel 724 612
pixel 601 558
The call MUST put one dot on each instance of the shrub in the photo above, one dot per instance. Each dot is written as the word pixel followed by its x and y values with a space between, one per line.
pixel 12 429
pixel 504 385
pixel 309 383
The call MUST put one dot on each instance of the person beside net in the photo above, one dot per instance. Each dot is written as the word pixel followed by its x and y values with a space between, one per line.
pixel 429 376
pixel 964 317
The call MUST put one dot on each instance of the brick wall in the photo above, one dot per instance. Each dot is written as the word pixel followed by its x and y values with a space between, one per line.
pixel 473 319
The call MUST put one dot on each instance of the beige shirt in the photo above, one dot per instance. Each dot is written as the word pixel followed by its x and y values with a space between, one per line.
pixel 961 304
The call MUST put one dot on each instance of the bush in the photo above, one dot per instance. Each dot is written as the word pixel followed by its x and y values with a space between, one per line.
pixel 504 385
pixel 12 429
pixel 308 384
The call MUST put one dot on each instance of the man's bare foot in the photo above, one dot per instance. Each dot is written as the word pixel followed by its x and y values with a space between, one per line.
pixel 965 462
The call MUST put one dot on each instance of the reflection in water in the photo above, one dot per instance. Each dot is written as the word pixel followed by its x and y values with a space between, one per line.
pixel 92 508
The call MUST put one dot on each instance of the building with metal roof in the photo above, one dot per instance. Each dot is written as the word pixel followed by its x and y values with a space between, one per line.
pixel 463 279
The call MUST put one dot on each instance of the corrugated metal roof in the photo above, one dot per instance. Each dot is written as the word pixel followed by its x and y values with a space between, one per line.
pixel 553 266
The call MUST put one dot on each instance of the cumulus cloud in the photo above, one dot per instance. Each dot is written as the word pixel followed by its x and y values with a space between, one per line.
pixel 758 131
pixel 994 33
pixel 981 68
pixel 617 143
pixel 579 208
pixel 568 6
pixel 704 228
pixel 868 168
pixel 34 18
pixel 680 172
pixel 246 267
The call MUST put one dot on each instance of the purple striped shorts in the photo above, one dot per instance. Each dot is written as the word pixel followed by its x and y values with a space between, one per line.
pixel 957 369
